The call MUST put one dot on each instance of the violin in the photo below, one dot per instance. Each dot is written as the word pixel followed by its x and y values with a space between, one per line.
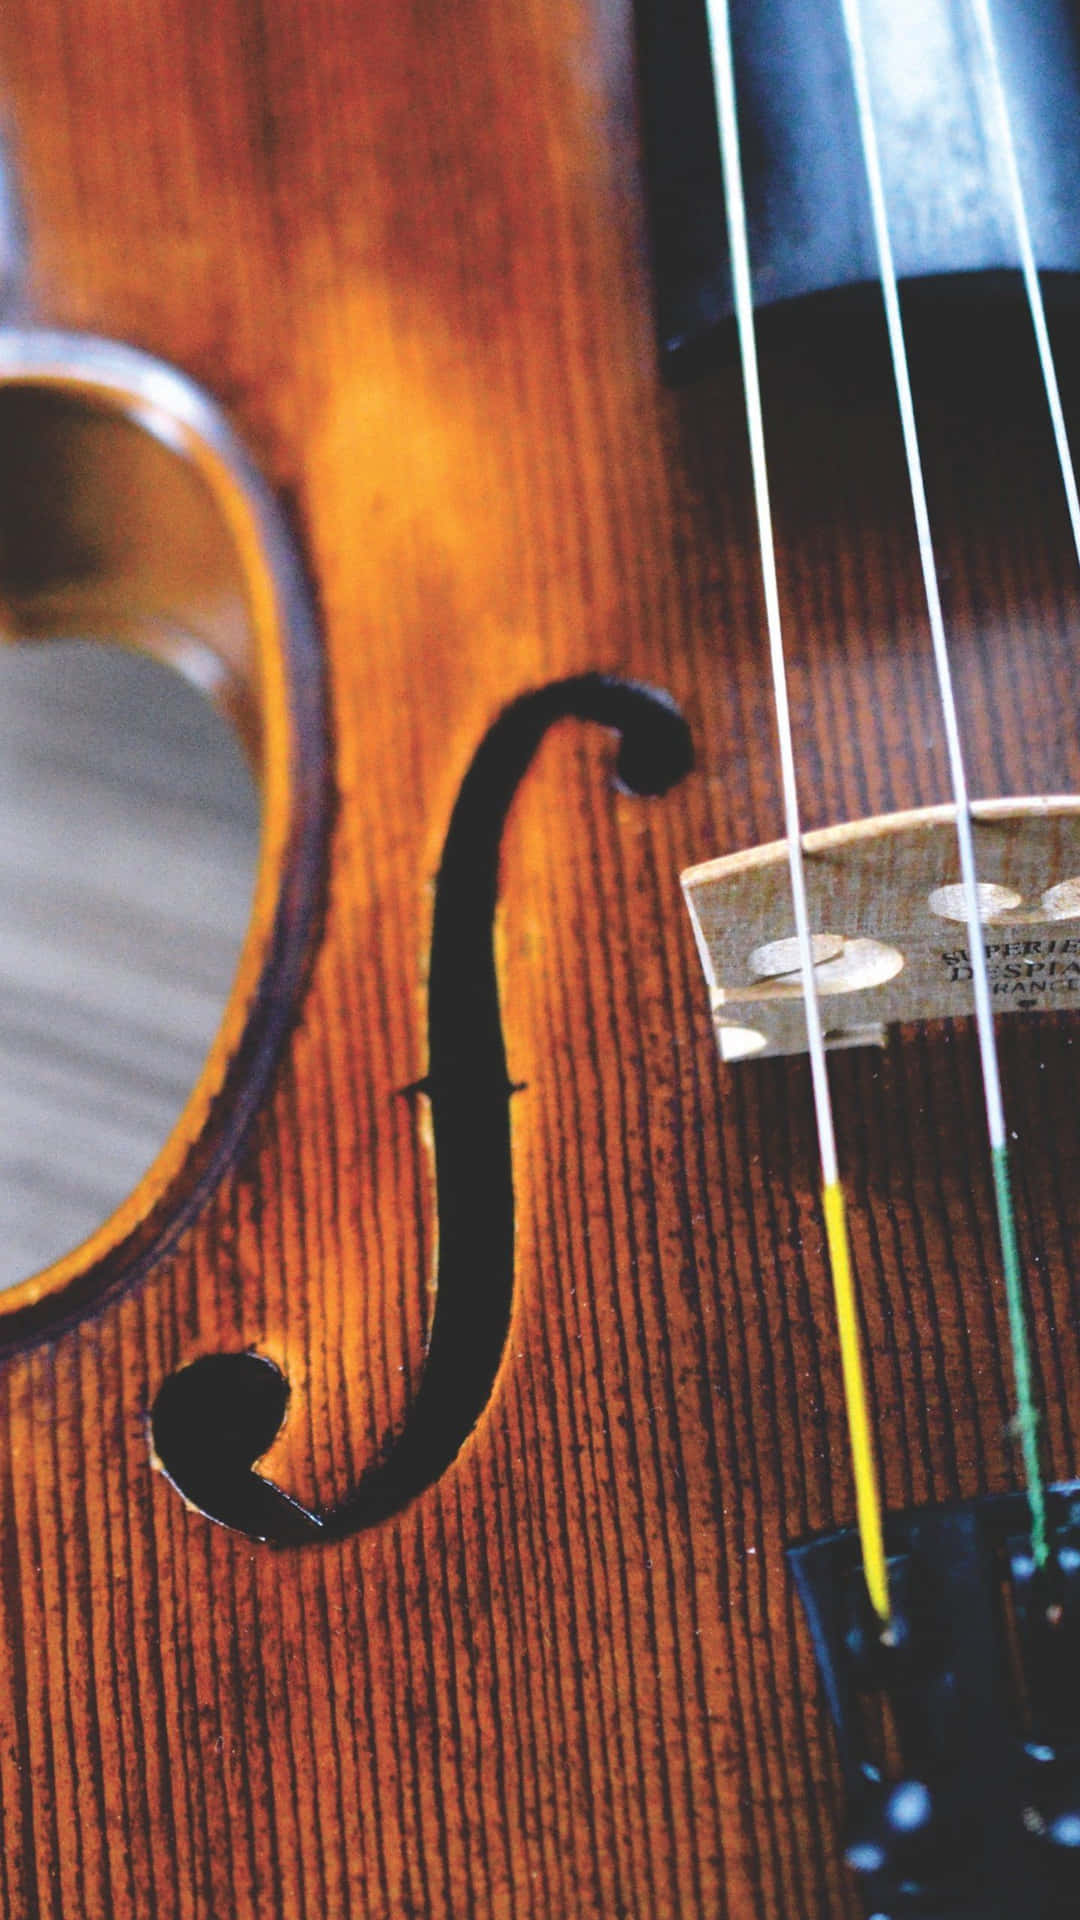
pixel 605 461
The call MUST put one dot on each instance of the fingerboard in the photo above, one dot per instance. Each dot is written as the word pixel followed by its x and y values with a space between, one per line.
pixel 807 202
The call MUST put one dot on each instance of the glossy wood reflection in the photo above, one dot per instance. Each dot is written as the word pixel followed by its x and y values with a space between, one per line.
pixel 405 248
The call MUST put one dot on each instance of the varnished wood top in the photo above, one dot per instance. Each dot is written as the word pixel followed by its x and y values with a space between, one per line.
pixel 406 250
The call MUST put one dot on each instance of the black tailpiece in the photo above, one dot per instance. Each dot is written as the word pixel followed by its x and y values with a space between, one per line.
pixel 959 1728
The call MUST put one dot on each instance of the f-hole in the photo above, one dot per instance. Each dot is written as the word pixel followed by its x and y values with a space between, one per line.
pixel 212 1420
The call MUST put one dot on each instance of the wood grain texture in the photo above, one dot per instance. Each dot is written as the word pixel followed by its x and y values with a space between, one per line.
pixel 404 246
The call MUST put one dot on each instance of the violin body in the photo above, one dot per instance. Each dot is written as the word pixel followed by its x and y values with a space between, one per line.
pixel 565 1675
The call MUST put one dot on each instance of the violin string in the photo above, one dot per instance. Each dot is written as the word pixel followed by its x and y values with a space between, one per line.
pixel 867 1498
pixel 1027 1414
pixel 1028 267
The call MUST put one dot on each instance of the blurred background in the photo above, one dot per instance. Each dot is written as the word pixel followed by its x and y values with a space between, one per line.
pixel 128 846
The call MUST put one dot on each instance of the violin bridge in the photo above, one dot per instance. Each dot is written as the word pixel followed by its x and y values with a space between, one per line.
pixel 888 918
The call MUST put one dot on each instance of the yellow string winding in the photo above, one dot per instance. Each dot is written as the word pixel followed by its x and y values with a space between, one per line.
pixel 867 1499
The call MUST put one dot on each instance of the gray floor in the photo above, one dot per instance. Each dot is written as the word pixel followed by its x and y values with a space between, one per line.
pixel 128 837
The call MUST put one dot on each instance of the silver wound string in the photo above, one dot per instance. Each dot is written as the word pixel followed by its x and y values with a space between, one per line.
pixel 984 1018
pixel 1027 264
pixel 719 22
